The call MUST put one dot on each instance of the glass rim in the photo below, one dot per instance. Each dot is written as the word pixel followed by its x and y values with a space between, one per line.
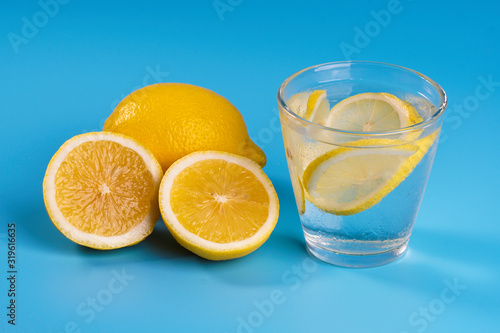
pixel 439 112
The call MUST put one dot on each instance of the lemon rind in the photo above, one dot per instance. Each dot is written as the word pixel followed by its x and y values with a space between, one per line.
pixel 314 106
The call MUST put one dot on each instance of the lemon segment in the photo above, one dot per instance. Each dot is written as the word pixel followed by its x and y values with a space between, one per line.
pixel 100 190
pixel 349 180
pixel 372 112
pixel 218 205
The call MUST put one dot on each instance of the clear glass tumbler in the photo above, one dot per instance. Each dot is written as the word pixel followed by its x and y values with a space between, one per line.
pixel 358 193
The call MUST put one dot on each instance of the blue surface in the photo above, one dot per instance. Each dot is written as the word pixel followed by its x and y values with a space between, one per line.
pixel 65 77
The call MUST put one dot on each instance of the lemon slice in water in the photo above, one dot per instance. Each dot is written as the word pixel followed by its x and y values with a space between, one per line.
pixel 313 106
pixel 298 189
pixel 298 103
pixel 349 180
pixel 318 107
pixel 371 112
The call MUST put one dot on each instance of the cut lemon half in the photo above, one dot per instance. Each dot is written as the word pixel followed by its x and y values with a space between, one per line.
pixel 101 190
pixel 372 112
pixel 349 180
pixel 218 205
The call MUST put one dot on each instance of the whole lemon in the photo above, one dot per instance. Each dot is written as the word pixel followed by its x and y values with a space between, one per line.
pixel 176 119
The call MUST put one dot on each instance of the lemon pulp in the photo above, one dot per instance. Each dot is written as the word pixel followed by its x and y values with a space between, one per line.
pixel 104 188
pixel 371 112
pixel 222 207
pixel 218 205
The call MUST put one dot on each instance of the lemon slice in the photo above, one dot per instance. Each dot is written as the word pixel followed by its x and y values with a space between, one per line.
pixel 313 106
pixel 218 205
pixel 318 107
pixel 298 103
pixel 101 190
pixel 298 189
pixel 349 180
pixel 371 112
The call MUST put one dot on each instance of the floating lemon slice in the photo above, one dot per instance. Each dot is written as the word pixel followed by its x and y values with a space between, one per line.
pixel 372 112
pixel 101 190
pixel 313 106
pixel 298 103
pixel 218 205
pixel 349 180
pixel 318 107
pixel 298 189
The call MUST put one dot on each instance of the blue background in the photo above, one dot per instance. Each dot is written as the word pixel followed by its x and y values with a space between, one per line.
pixel 64 76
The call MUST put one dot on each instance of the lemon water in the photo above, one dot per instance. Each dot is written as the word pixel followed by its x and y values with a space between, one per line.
pixel 383 228
pixel 360 139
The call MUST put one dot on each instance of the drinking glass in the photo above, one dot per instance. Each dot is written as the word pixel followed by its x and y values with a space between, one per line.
pixel 348 231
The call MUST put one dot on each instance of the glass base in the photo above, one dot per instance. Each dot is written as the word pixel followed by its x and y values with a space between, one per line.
pixel 353 260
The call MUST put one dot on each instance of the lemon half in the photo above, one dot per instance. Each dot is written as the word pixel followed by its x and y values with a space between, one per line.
pixel 218 205
pixel 100 190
